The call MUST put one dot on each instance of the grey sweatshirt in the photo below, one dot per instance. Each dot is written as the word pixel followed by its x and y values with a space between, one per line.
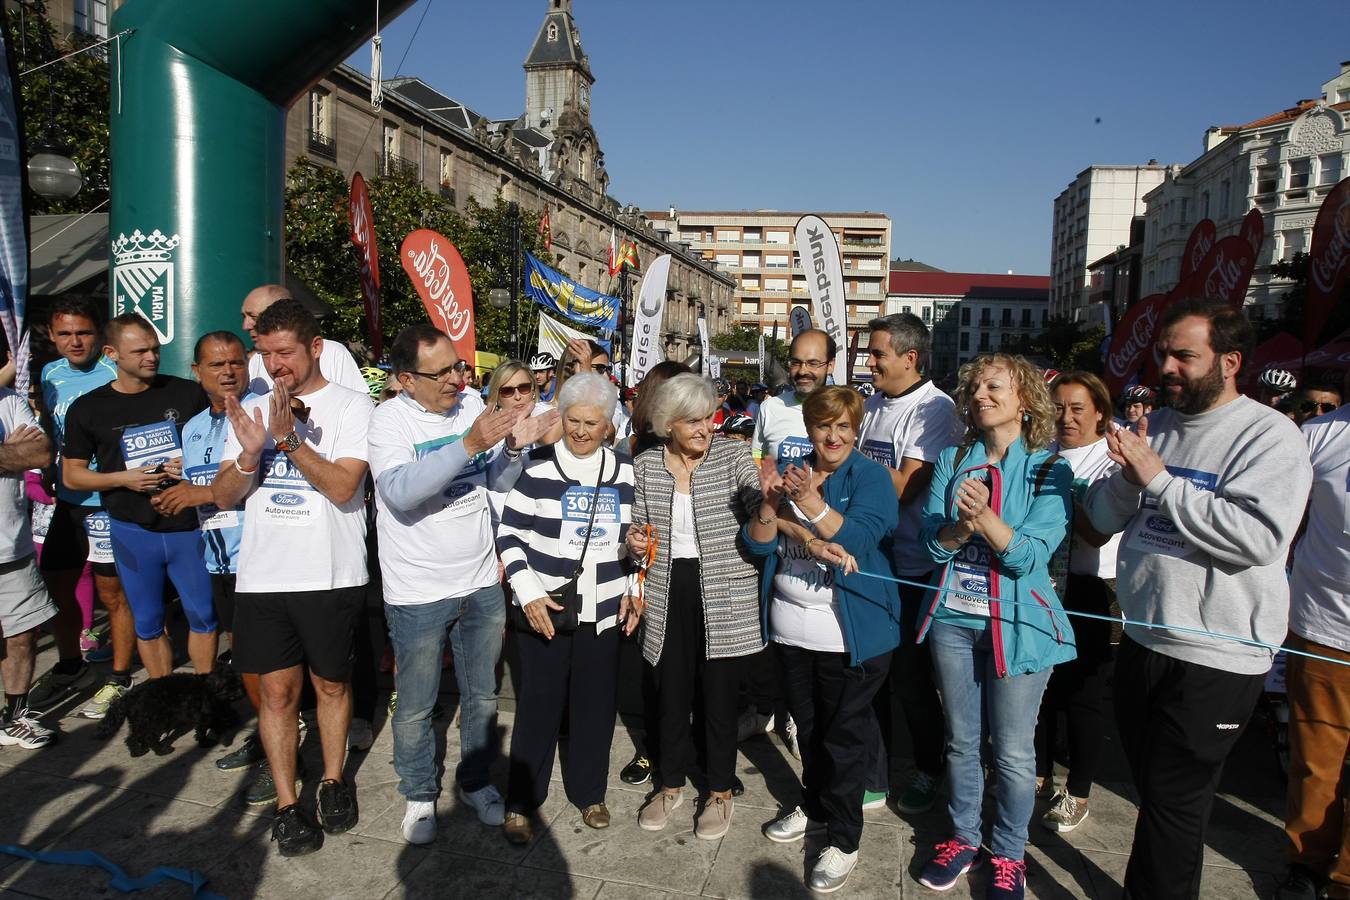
pixel 1205 541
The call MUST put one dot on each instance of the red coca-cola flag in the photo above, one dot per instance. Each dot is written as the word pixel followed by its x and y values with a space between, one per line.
pixel 362 219
pixel 1224 273
pixel 1132 341
pixel 1328 262
pixel 1198 244
pixel 1253 230
pixel 442 281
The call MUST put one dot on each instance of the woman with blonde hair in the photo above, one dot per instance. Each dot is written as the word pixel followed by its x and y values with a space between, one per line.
pixel 998 508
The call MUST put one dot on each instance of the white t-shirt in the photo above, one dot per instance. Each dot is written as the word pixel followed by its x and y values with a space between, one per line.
pixel 780 432
pixel 444 547
pixel 296 539
pixel 683 543
pixel 918 424
pixel 1319 587
pixel 16 533
pixel 804 612
pixel 1090 464
pixel 336 365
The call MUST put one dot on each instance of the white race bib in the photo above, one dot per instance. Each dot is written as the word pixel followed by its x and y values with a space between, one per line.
pixel 1156 533
pixel 576 512
pixel 99 529
pixel 288 497
pixel 149 445
pixel 971 571
pixel 462 498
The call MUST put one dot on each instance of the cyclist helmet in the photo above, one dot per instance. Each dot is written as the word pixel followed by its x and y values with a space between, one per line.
pixel 1278 381
pixel 1138 393
pixel 738 423
pixel 542 361
pixel 722 386
pixel 376 380
pixel 866 389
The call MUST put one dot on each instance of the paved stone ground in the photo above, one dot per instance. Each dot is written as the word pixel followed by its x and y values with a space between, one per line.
pixel 178 810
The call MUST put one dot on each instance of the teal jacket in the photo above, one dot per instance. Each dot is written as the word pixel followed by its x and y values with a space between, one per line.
pixel 1026 638
pixel 863 493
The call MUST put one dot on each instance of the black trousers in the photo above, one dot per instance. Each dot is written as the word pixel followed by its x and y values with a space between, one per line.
pixel 762 683
pixel 910 684
pixel 831 702
pixel 1178 721
pixel 578 672
pixel 1076 688
pixel 683 669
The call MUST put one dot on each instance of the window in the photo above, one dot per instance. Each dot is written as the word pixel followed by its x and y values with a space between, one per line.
pixel 447 174
pixel 799 284
pixel 390 139
pixel 1299 170
pixel 775 261
pixel 1266 180
pixel 777 237
pixel 984 340
pixel 1185 211
pixel 986 317
pixel 690 236
pixel 320 135
pixel 1045 314
pixel 728 259
pixel 1329 168
pixel 965 340
pixel 775 309
pixel 1294 242
pixel 928 314
pixel 752 236
pixel 1225 197
pixel 1006 320
pixel 552 32
pixel 750 283
pixel 1204 204
pixel 750 260
pixel 775 284
pixel 728 237
pixel 1026 318
pixel 869 288
pixel 91 17
pixel 965 315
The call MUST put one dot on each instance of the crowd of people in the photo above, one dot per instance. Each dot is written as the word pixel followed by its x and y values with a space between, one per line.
pixel 871 574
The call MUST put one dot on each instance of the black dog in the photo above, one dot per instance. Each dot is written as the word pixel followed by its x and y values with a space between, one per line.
pixel 160 709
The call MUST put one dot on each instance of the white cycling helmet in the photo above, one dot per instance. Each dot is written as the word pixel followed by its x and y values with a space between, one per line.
pixel 1278 381
pixel 542 361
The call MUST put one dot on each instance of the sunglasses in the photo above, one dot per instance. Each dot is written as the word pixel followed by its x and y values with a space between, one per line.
pixel 299 410
pixel 445 374
pixel 1320 408
pixel 513 390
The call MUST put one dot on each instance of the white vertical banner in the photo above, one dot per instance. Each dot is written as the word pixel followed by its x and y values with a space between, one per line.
pixel 819 252
pixel 715 366
pixel 705 353
pixel 761 354
pixel 651 305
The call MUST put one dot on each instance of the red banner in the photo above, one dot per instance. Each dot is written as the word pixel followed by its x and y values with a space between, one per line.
pixel 1223 274
pixel 442 281
pixel 1198 245
pixel 1253 230
pixel 1133 340
pixel 362 219
pixel 1328 262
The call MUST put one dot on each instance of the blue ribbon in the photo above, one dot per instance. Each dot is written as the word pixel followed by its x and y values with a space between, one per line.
pixel 1087 615
pixel 121 881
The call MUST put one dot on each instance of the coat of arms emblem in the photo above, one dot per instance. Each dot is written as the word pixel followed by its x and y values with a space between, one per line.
pixel 143 278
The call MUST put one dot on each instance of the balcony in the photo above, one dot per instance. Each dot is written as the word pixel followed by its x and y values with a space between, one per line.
pixel 322 145
pixel 448 193
pixel 393 165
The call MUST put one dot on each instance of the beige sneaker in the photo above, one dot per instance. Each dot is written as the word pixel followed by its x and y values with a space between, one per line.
pixel 656 814
pixel 715 819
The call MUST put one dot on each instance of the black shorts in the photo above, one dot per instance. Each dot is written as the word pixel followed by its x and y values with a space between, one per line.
pixel 222 597
pixel 278 630
pixel 66 547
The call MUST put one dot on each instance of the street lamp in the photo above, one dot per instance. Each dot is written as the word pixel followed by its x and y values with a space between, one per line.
pixel 52 174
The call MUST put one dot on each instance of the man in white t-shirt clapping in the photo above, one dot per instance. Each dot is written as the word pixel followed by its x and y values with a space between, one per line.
pixel 297 459
pixel 434 453
pixel 906 424
pixel 335 361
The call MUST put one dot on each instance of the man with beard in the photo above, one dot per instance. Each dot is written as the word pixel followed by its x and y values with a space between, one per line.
pixel 1209 496
pixel 780 433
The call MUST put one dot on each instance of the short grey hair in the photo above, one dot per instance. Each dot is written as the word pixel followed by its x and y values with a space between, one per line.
pixel 588 389
pixel 907 333
pixel 686 396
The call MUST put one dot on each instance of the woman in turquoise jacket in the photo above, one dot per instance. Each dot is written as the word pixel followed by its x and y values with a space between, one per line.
pixel 832 627
pixel 998 509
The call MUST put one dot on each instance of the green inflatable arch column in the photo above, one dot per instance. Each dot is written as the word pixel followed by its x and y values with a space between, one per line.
pixel 198 120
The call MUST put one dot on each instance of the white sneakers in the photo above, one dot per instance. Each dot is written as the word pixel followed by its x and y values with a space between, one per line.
pixel 488 803
pixel 832 870
pixel 419 822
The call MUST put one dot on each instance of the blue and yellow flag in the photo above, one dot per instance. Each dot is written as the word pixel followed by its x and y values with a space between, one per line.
pixel 553 290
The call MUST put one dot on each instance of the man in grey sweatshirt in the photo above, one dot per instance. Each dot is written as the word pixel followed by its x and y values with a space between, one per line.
pixel 1209 496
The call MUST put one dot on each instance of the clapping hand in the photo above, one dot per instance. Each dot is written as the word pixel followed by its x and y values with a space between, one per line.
pixel 1131 451
pixel 972 500
pixel 488 429
pixel 249 431
pixel 531 429
pixel 771 484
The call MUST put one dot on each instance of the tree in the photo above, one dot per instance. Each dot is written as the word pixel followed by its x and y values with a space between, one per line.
pixel 70 96
pixel 746 337
pixel 319 250
pixel 1066 345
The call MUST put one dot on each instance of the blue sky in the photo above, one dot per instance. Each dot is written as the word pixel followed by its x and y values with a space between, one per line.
pixel 962 121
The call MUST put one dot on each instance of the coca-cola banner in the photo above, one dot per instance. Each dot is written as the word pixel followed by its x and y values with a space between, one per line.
pixel 1132 340
pixel 1328 262
pixel 442 281
pixel 1223 274
pixel 1253 230
pixel 1198 245
pixel 362 220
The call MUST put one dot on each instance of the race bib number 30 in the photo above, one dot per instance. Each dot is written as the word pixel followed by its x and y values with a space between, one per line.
pixel 209 516
pixel 792 451
pixel 149 445
pixel 970 573
pixel 576 512
pixel 99 529
pixel 288 497
pixel 1157 533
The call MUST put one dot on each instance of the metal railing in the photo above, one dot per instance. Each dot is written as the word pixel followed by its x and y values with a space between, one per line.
pixel 324 145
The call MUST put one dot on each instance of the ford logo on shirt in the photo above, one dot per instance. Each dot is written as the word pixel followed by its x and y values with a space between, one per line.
pixel 597 532
pixel 1162 524
pixel 972 584
pixel 284 498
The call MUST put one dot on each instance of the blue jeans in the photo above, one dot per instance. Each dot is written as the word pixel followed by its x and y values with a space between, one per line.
pixel 976 702
pixel 418 635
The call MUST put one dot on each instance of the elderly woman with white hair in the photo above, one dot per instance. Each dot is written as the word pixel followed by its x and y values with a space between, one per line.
pixel 561 540
pixel 694 492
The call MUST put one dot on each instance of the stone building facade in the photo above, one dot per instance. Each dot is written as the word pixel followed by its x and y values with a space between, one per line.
pixel 546 159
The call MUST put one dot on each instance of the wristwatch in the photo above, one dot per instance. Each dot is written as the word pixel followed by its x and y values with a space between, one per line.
pixel 290 443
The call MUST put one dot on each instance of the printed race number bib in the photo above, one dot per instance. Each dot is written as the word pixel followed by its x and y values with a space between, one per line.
pixel 971 572
pixel 99 529
pixel 288 497
pixel 1157 533
pixel 149 445
pixel 462 498
pixel 792 451
pixel 880 451
pixel 209 516
pixel 576 512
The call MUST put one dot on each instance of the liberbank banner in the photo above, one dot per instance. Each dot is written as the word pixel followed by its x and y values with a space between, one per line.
pixel 819 252
pixel 553 290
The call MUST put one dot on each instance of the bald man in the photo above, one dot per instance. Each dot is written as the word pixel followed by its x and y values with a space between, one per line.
pixel 335 361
